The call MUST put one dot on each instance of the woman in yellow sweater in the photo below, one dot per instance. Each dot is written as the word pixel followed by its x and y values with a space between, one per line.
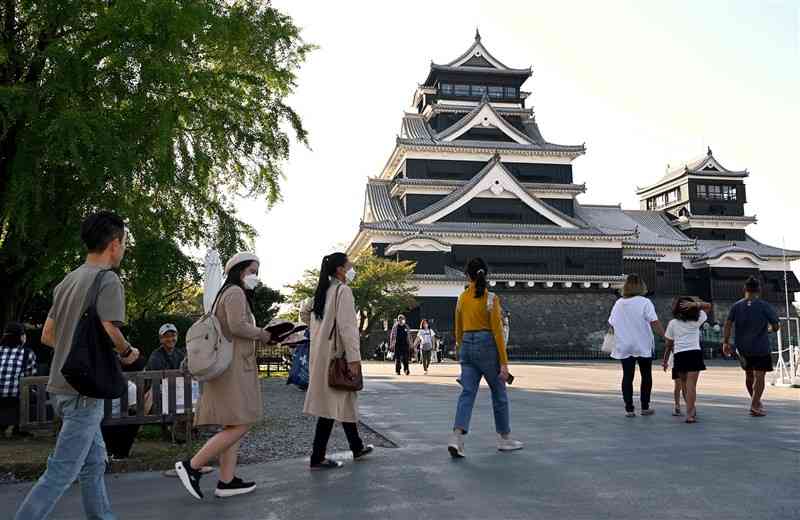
pixel 482 352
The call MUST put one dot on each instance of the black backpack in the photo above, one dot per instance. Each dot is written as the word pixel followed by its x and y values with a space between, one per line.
pixel 92 366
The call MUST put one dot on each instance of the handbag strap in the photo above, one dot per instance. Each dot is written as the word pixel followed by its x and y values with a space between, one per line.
pixel 335 329
pixel 94 290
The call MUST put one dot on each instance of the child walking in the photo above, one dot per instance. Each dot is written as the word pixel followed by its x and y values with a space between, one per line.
pixel 679 388
pixel 683 338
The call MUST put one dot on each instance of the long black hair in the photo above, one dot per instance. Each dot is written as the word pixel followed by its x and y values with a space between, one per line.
pixel 12 334
pixel 235 278
pixel 477 270
pixel 327 270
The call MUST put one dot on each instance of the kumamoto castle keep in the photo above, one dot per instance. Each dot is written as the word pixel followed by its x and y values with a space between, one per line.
pixel 471 174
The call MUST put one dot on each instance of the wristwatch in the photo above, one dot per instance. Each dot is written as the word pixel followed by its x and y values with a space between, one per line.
pixel 127 352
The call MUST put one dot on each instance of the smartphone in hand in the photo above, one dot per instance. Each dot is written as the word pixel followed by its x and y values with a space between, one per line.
pixel 510 379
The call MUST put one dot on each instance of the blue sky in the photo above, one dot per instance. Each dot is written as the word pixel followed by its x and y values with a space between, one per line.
pixel 644 84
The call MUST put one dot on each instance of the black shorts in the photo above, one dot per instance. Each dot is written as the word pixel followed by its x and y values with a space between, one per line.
pixel 688 361
pixel 760 362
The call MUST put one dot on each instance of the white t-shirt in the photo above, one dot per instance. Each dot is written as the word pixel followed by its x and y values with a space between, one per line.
pixel 426 339
pixel 631 318
pixel 686 334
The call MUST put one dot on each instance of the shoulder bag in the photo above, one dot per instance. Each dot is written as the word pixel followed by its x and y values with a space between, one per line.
pixel 92 366
pixel 339 375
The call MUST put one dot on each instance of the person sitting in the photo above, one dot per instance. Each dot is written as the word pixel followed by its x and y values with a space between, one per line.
pixel 167 356
pixel 16 361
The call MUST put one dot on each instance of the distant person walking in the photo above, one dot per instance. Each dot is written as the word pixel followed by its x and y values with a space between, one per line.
pixel 80 452
pixel 751 318
pixel 425 341
pixel 233 399
pixel 633 321
pixel 399 344
pixel 334 328
pixel 479 333
pixel 683 337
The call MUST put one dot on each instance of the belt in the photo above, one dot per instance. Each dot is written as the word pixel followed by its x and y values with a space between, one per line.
pixel 477 330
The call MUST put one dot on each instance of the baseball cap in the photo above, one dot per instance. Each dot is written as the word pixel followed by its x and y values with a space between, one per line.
pixel 167 327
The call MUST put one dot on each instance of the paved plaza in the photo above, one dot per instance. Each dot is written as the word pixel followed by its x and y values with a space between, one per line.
pixel 583 459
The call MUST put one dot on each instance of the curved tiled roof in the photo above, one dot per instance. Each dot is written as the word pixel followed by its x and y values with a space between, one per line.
pixel 697 166
pixel 382 205
pixel 463 190
pixel 652 227
pixel 710 249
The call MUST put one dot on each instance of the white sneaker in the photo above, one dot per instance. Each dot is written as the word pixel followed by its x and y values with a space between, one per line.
pixel 456 445
pixel 508 444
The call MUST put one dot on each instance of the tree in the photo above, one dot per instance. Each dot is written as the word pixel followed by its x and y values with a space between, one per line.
pixel 381 288
pixel 265 304
pixel 164 111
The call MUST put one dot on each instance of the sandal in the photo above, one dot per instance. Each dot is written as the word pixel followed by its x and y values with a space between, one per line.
pixel 691 419
pixel 677 412
pixel 757 413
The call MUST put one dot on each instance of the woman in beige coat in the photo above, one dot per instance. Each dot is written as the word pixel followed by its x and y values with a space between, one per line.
pixel 232 400
pixel 333 306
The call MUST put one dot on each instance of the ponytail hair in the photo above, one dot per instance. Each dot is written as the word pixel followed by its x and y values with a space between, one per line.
pixel 477 270
pixel 326 271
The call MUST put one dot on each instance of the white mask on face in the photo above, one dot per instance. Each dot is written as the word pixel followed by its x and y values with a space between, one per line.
pixel 251 281
pixel 350 275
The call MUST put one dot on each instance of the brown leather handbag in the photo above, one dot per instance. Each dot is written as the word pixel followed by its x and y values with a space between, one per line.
pixel 340 376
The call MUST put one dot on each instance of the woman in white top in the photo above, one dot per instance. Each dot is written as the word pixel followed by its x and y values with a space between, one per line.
pixel 683 336
pixel 633 320
pixel 424 341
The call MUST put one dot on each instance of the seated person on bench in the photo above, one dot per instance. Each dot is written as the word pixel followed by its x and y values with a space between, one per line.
pixel 16 361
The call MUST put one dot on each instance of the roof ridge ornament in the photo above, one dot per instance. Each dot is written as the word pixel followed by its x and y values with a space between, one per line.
pixel 477 35
pixel 709 152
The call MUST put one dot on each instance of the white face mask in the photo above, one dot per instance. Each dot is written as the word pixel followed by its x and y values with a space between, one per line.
pixel 251 281
pixel 350 275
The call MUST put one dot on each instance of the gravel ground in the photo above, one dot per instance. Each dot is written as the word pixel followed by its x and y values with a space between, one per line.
pixel 287 433
pixel 284 433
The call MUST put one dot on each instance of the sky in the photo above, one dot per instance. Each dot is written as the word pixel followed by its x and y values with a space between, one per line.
pixel 643 84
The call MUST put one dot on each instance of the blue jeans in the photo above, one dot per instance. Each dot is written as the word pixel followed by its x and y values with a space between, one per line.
pixel 79 453
pixel 479 359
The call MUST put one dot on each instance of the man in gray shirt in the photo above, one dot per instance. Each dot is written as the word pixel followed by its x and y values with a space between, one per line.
pixel 80 451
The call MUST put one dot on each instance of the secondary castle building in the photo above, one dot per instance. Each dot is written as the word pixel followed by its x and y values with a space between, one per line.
pixel 471 174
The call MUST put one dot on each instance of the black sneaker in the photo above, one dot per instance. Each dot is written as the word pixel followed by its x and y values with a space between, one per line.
pixel 366 450
pixel 327 464
pixel 190 478
pixel 235 487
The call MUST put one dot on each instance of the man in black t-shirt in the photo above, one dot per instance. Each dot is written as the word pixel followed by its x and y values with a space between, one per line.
pixel 398 343
pixel 752 318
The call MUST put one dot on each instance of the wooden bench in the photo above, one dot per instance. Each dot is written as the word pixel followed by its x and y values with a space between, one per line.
pixel 41 415
pixel 275 358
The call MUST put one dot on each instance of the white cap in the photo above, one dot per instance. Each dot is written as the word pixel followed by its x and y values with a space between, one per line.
pixel 238 258
pixel 167 327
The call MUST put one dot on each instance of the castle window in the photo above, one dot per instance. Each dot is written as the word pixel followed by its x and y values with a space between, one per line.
pixel 511 92
pixel 461 90
pixel 496 92
pixel 446 88
pixel 716 192
pixel 478 90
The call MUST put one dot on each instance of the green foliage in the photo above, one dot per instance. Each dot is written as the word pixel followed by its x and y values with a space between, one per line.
pixel 381 288
pixel 164 111
pixel 266 303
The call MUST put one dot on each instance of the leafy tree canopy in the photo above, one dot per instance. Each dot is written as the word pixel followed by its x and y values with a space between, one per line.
pixel 381 288
pixel 163 111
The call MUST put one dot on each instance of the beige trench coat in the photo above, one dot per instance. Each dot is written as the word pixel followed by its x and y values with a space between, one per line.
pixel 322 400
pixel 234 397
